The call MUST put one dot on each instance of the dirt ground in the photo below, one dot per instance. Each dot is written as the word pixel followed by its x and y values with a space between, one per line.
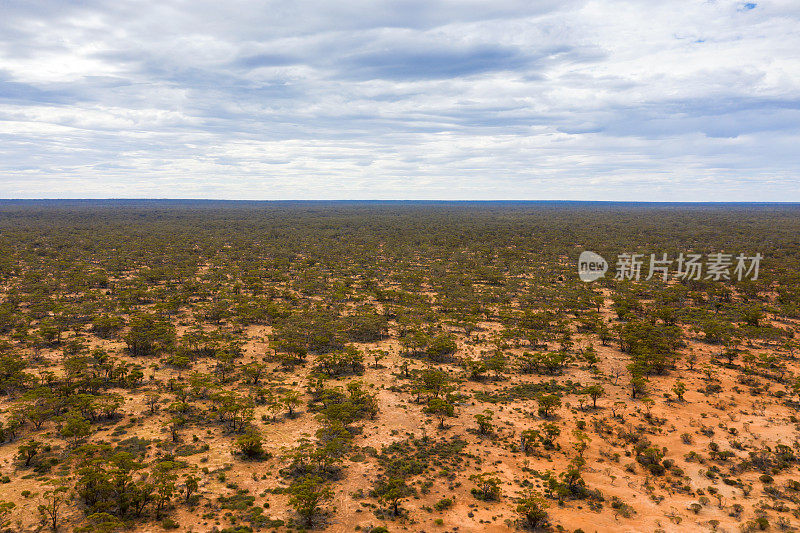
pixel 735 418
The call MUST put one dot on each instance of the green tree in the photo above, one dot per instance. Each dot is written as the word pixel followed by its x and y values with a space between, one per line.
pixel 392 492
pixel 12 375
pixel 28 451
pixel 250 445
pixel 487 486
pixel 638 382
pixel 529 439
pixel 484 421
pixel 106 326
pixel 306 496
pixel 51 507
pixel 441 409
pixel 752 316
pixel 152 399
pixel 679 389
pixel 164 481
pixel 531 507
pixel 378 356
pixel 547 404
pixel 594 392
pixel 496 363
pixel 730 354
pixel 190 486
pixel 253 372
pixel 590 356
pixel 581 443
pixel 149 335
pixel 434 382
pixel 75 428
pixel 291 399
pixel 442 347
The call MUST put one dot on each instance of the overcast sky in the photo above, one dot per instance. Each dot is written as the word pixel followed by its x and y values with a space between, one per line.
pixel 415 99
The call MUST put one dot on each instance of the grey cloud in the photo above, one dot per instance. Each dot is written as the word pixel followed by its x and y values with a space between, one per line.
pixel 395 99
pixel 443 63
pixel 267 60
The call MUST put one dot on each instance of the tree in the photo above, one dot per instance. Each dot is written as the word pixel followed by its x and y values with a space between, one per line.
pixel 648 405
pixel 28 451
pixel 441 409
pixel 691 360
pixel 250 445
pixel 571 477
pixel 441 347
pixel 618 406
pixel 790 345
pixel 581 443
pixel 306 496
pixel 487 486
pixel 108 404
pixel 434 381
pixel 477 368
pixel 164 480
pixel 531 507
pixel 638 384
pixel 752 316
pixel 378 356
pixel 190 486
pixel 291 399
pixel 484 421
pixel 152 399
pixel 496 363
pixel 679 389
pixel 50 509
pixel 51 330
pixel 547 403
pixel 149 335
pixel 106 326
pixel 101 523
pixel 75 428
pixel 594 392
pixel 253 372
pixel 590 356
pixel 392 491
pixel 12 376
pixel 716 331
pixel 551 432
pixel 41 403
pixel 174 425
pixel 604 333
pixel 274 405
pixel 529 439
pixel 730 354
pixel 404 369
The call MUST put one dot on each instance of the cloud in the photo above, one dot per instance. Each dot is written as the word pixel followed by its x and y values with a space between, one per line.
pixel 424 63
pixel 412 99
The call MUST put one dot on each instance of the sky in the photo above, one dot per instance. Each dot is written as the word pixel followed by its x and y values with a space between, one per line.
pixel 412 99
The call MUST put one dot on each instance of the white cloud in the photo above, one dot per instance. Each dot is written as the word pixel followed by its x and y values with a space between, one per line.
pixel 634 100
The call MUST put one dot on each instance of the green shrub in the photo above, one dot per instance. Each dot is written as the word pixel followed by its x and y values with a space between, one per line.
pixel 169 523
pixel 444 503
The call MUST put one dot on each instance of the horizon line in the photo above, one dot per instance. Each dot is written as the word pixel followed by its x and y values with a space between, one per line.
pixel 378 200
